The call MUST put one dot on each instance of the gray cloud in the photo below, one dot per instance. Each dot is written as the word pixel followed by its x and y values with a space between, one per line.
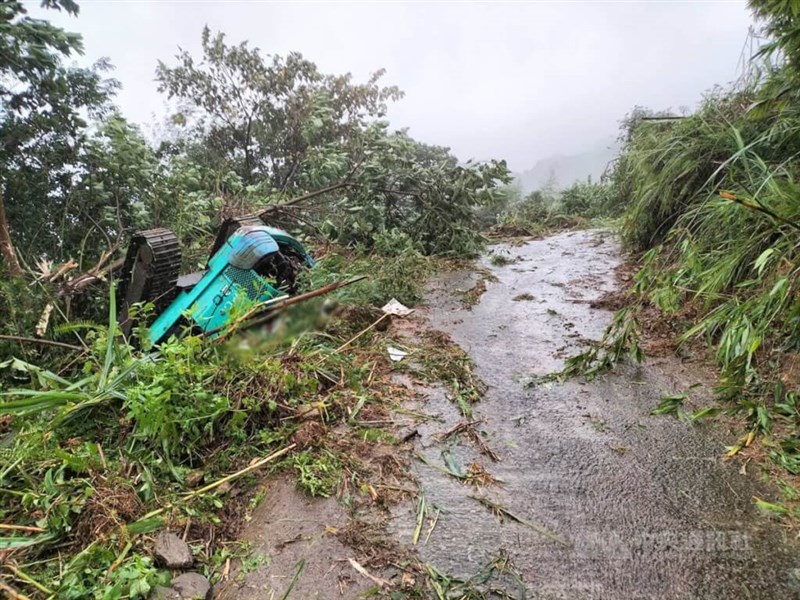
pixel 506 80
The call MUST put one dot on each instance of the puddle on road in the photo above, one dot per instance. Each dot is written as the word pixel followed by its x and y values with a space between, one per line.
pixel 646 504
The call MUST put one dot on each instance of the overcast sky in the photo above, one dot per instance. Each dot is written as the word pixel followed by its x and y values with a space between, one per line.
pixel 520 81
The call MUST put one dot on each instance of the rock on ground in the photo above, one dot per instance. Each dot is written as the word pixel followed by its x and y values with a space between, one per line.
pixel 172 552
pixel 187 586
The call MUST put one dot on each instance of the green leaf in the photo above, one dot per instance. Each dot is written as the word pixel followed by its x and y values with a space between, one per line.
pixel 708 411
pixel 669 405
pixel 761 262
pixel 10 543
pixel 769 507
pixel 451 463
pixel 145 526
pixel 110 337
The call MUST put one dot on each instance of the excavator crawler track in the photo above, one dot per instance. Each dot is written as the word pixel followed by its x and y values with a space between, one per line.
pixel 150 272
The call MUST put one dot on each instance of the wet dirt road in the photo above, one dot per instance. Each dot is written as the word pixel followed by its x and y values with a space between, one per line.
pixel 646 505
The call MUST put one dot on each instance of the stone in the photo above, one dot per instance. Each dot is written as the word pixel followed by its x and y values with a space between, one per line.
pixel 163 593
pixel 192 586
pixel 172 552
pixel 187 586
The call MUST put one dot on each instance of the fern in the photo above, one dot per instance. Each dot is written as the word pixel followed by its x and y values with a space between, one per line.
pixel 76 326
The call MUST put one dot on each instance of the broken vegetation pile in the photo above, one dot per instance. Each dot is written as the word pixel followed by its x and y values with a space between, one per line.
pixel 139 439
pixel 548 210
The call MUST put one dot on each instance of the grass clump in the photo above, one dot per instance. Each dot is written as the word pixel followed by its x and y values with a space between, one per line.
pixel 318 472
pixel 501 260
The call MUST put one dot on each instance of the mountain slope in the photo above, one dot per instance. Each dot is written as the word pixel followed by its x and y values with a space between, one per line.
pixel 563 171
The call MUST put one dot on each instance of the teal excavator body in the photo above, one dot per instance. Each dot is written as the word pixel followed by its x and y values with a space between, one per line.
pixel 250 263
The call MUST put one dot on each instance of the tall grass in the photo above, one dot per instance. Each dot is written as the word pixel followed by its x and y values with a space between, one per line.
pixel 713 201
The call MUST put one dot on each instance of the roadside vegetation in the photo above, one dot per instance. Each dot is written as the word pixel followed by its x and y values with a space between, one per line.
pixel 583 204
pixel 104 440
pixel 711 205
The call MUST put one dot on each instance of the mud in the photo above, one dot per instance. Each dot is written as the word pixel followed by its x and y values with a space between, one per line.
pixel 646 503
pixel 287 528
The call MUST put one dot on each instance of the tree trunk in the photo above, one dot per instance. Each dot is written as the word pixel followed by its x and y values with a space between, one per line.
pixel 7 250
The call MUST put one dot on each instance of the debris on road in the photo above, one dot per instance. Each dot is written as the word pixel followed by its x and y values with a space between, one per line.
pixel 395 354
pixel 502 511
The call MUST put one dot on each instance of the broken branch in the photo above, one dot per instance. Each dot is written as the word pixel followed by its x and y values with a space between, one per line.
pixel 501 510
pixel 231 477
pixel 27 528
pixel 29 340
pixel 382 583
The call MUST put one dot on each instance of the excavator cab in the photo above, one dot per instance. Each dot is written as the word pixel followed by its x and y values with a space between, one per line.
pixel 250 263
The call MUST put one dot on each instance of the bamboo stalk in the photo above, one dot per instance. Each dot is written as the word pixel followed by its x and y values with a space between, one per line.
pixel 22 576
pixel 759 208
pixel 28 528
pixel 119 560
pixel 232 476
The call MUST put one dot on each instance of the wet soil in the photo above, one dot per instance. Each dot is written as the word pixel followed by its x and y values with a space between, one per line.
pixel 645 505
pixel 289 530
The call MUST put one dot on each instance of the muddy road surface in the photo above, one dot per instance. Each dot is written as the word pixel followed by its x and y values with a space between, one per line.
pixel 595 497
pixel 643 506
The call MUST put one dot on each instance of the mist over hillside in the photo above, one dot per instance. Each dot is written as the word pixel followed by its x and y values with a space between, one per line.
pixel 562 171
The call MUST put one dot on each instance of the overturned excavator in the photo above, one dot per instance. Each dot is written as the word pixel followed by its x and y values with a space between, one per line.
pixel 250 262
